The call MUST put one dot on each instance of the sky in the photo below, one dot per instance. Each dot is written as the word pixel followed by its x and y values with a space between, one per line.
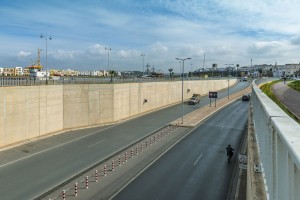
pixel 207 31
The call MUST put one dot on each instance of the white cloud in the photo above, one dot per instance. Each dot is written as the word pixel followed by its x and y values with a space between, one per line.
pixel 24 54
pixel 226 31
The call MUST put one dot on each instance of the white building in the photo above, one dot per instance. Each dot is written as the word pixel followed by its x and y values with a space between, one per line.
pixel 291 69
pixel 18 71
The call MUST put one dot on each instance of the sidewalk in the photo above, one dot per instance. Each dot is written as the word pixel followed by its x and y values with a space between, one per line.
pixel 288 96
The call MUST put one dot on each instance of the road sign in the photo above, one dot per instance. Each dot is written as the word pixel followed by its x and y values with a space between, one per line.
pixel 242 166
pixel 242 158
pixel 213 94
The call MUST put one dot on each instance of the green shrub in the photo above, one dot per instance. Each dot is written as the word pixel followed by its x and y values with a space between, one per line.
pixel 267 89
pixel 295 85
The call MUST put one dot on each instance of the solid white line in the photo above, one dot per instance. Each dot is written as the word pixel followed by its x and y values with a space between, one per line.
pixel 221 127
pixel 150 120
pixel 195 163
pixel 96 143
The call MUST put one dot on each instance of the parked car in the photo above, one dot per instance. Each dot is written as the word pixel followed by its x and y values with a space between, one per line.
pixel 246 97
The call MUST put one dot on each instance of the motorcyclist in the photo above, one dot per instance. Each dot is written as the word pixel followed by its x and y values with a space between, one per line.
pixel 229 151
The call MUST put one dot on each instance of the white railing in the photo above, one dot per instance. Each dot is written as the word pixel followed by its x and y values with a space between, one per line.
pixel 278 140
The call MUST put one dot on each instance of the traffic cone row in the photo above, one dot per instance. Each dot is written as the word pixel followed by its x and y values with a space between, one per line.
pixel 152 140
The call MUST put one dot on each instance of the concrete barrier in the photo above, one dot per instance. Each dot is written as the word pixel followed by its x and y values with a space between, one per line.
pixel 278 142
pixel 33 111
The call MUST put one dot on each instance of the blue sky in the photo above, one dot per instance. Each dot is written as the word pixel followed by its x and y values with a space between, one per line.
pixel 226 31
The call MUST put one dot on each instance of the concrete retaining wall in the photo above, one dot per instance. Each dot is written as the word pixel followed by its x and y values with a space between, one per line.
pixel 32 111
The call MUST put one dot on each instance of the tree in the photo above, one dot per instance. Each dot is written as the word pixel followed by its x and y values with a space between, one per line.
pixel 171 70
pixel 112 74
pixel 260 72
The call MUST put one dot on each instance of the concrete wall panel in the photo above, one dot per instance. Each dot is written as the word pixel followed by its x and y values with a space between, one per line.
pixel 2 116
pixel 28 112
pixel 106 111
pixel 15 117
pixel 75 105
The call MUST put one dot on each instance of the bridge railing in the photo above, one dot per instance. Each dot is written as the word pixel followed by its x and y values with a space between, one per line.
pixel 28 81
pixel 278 140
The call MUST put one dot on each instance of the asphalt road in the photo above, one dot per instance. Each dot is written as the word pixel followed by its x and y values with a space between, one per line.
pixel 196 168
pixel 28 170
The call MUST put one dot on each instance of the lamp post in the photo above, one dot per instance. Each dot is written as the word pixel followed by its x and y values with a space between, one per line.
pixel 108 49
pixel 182 59
pixel 228 78
pixel 143 55
pixel 46 38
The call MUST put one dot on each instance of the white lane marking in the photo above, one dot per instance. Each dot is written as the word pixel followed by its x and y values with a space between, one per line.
pixel 195 163
pixel 150 120
pixel 53 147
pixel 221 127
pixel 96 143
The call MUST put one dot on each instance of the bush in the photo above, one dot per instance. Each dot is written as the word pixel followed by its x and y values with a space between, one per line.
pixel 295 85
pixel 267 89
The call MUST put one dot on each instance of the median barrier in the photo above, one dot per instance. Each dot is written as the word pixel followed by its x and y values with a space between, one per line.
pixel 86 181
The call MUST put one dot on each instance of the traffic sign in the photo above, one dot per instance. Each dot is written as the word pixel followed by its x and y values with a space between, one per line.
pixel 242 158
pixel 213 94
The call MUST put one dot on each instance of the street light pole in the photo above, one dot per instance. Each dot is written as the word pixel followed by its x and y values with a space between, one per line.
pixel 228 78
pixel 108 49
pixel 143 55
pixel 46 38
pixel 182 59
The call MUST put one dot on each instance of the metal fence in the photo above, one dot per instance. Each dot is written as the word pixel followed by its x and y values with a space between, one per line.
pixel 27 81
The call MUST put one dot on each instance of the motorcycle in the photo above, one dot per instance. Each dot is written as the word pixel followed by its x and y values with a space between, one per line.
pixel 229 156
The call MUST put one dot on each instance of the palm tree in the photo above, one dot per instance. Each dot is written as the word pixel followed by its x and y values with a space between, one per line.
pixel 112 74
pixel 170 70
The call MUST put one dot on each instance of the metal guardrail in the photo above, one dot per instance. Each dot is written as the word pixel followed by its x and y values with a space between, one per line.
pixel 278 141
pixel 30 81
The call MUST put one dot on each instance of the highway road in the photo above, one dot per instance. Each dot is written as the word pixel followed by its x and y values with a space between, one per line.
pixel 30 169
pixel 196 168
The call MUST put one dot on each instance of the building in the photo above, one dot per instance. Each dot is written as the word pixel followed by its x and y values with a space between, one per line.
pixel 18 71
pixel 291 69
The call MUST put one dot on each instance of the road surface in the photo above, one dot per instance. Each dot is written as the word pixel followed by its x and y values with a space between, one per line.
pixel 196 168
pixel 28 170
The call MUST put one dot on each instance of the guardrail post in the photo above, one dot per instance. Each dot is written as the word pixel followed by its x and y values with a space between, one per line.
pixel 76 189
pixel 142 146
pixel 96 175
pixel 64 194
pixel 86 182
pixel 112 165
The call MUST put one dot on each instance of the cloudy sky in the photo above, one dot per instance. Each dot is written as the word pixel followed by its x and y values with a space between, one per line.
pixel 225 31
